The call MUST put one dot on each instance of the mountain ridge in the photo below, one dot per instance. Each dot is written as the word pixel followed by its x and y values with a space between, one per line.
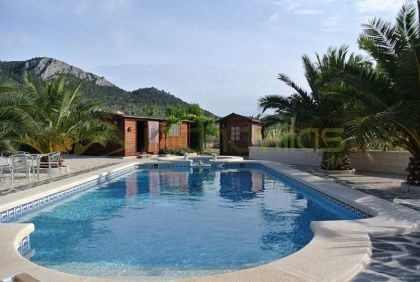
pixel 150 100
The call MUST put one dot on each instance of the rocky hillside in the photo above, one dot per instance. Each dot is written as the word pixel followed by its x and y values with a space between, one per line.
pixel 144 101
pixel 48 69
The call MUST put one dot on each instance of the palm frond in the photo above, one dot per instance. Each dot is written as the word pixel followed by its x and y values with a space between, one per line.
pixel 275 102
pixel 381 42
pixel 293 85
pixel 407 25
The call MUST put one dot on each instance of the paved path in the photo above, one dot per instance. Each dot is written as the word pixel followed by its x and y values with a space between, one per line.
pixel 394 258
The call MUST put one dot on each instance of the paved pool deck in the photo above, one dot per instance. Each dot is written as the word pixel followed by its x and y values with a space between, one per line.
pixel 339 251
pixel 75 165
pixel 396 257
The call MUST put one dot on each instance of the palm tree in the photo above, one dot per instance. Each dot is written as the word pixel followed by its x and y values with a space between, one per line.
pixel 388 97
pixel 14 121
pixel 312 112
pixel 61 119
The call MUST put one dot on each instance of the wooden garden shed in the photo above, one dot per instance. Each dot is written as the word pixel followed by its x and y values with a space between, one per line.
pixel 238 133
pixel 143 134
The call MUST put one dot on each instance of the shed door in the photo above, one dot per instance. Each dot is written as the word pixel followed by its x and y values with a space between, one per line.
pixel 153 136
pixel 234 140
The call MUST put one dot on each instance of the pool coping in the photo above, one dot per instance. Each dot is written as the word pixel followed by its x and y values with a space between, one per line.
pixel 339 250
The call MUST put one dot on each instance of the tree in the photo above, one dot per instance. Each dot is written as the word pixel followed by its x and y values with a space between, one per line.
pixel 204 126
pixel 61 119
pixel 150 110
pixel 314 113
pixel 388 97
pixel 14 121
pixel 175 115
pixel 209 129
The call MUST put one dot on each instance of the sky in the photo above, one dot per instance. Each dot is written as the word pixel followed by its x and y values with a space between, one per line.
pixel 222 54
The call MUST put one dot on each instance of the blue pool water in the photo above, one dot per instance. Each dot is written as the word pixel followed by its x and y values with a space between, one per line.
pixel 178 223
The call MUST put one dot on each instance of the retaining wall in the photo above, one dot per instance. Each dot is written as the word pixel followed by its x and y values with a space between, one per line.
pixel 374 161
pixel 287 156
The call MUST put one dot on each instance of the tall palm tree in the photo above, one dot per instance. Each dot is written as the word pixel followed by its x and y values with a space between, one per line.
pixel 316 108
pixel 388 97
pixel 61 118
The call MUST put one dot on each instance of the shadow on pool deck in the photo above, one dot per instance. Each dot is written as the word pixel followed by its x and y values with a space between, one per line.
pixel 381 185
pixel 394 258
pixel 14 189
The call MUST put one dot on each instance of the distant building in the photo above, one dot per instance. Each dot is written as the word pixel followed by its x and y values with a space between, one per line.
pixel 237 133
pixel 142 134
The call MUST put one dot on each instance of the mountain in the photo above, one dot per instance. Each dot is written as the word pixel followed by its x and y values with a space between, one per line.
pixel 143 101
pixel 49 69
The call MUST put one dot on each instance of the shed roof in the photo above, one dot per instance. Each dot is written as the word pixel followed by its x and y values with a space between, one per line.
pixel 254 120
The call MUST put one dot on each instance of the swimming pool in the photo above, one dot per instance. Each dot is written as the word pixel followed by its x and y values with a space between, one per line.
pixel 178 223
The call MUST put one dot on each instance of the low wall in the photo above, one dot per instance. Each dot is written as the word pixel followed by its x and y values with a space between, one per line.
pixel 287 156
pixel 374 161
pixel 379 161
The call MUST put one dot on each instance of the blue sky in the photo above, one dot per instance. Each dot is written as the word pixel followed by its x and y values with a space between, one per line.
pixel 222 54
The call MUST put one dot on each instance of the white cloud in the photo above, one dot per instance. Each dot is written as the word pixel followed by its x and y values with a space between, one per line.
pixel 308 12
pixel 378 5
pixel 296 7
pixel 335 23
pixel 291 5
pixel 273 17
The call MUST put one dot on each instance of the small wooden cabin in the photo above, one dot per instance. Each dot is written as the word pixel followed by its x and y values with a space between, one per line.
pixel 142 134
pixel 238 133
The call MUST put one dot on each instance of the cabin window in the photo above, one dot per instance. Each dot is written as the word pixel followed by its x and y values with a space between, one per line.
pixel 235 133
pixel 175 130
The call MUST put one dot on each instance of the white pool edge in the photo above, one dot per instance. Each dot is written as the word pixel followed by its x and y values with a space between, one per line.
pixel 338 250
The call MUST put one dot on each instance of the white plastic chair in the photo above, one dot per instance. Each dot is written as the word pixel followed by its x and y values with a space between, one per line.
pixel 22 163
pixel 6 168
pixel 51 161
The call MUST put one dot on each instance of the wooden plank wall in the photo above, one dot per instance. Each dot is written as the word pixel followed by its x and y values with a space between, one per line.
pixel 130 137
pixel 173 142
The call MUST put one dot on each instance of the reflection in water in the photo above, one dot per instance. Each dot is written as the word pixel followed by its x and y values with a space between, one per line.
pixel 131 188
pixel 154 182
pixel 174 180
pixel 239 185
pixel 157 182
pixel 198 178
pixel 257 182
